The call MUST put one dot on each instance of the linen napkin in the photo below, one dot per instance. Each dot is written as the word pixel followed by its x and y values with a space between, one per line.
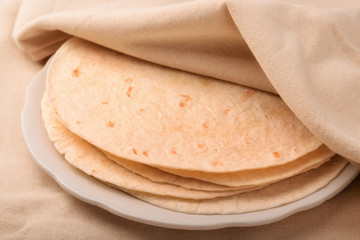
pixel 305 51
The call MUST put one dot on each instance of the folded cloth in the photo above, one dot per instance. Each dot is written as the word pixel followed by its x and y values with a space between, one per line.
pixel 305 51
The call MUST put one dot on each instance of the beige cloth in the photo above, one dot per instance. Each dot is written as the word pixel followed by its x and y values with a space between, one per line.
pixel 33 206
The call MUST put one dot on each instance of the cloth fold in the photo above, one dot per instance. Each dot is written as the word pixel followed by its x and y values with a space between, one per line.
pixel 305 51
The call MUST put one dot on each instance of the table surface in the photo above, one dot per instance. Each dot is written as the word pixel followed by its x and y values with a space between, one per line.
pixel 34 206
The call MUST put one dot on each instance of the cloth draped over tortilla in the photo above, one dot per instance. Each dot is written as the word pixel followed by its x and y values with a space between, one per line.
pixel 305 51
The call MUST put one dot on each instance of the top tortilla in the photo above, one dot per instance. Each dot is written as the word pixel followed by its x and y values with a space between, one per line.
pixel 168 118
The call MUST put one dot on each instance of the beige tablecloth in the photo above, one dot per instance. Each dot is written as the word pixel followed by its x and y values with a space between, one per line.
pixel 33 206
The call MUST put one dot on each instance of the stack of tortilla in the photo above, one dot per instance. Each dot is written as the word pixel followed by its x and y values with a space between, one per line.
pixel 177 140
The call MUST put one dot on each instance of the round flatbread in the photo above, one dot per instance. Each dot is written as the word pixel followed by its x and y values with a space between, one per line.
pixel 167 118
pixel 93 162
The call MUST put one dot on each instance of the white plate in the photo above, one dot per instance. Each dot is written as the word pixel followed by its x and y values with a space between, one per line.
pixel 119 203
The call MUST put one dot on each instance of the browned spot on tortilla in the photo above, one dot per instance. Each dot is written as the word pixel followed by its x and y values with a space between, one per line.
pixel 128 80
pixel 173 152
pixel 295 150
pixel 111 124
pixel 201 146
pixel 93 171
pixel 248 94
pixel 79 156
pixel 129 90
pixel 227 111
pixel 78 122
pixel 134 151
pixel 140 110
pixel 247 142
pixel 187 97
pixel 182 104
pixel 75 72
pixel 217 163
pixel 277 154
pixel 146 153
pixel 104 102
pixel 205 125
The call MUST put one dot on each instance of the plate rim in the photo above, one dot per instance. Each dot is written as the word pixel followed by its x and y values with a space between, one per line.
pixel 30 123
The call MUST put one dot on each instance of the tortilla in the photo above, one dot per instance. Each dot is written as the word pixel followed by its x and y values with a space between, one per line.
pixel 89 159
pixel 274 195
pixel 171 119
pixel 241 179
pixel 93 162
